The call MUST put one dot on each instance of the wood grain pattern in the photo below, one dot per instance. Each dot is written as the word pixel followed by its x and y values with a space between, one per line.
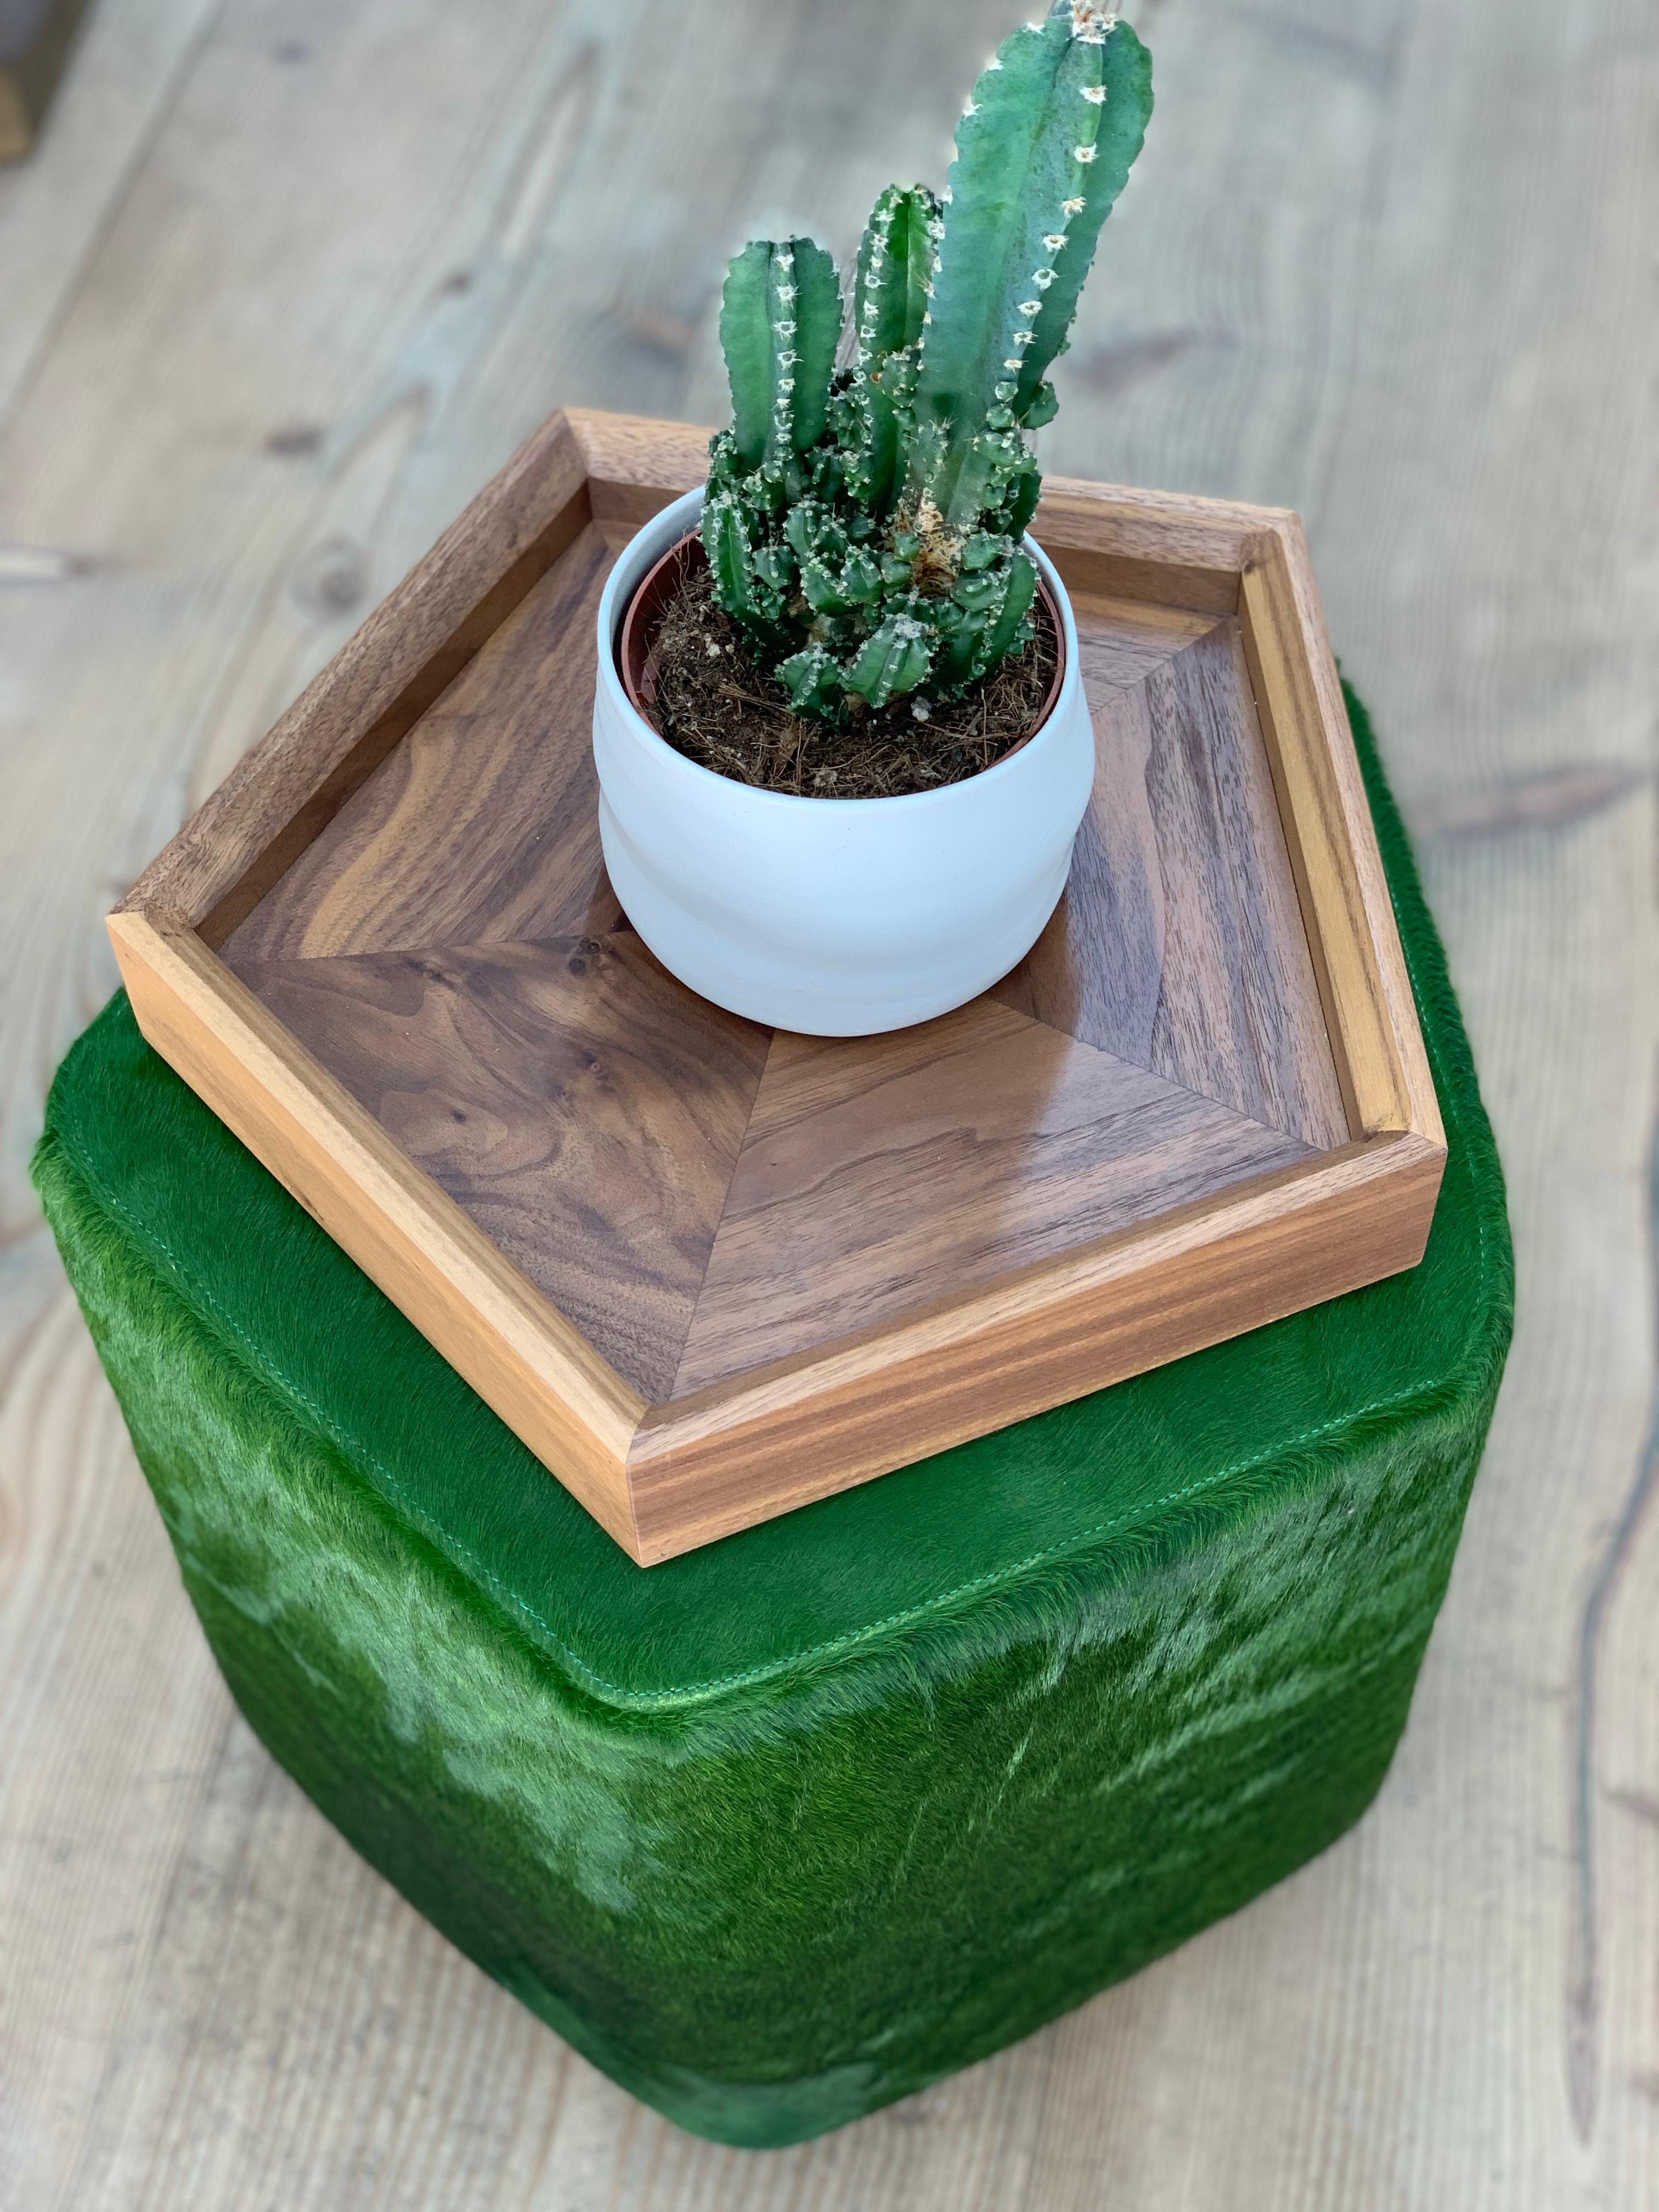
pixel 1181 868
pixel 1121 641
pixel 1163 547
pixel 580 1105
pixel 1362 973
pixel 872 1180
pixel 483 825
pixel 54 208
pixel 637 466
pixel 544 1378
pixel 271 807
pixel 1369 250
pixel 446 948
pixel 1100 1312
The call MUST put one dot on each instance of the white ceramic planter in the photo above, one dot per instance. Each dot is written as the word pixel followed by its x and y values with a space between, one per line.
pixel 838 917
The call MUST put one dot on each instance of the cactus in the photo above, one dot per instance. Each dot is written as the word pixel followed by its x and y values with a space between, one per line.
pixel 864 527
pixel 895 280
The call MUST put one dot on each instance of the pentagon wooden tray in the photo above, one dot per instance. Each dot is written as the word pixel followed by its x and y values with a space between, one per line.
pixel 708 1272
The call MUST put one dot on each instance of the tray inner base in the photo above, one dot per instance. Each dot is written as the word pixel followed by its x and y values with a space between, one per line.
pixel 700 1195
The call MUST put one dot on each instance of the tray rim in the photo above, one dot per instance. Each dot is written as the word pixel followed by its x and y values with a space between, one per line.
pixel 664 1478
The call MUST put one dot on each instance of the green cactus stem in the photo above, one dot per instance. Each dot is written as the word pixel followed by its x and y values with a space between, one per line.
pixel 865 528
pixel 890 301
pixel 780 326
pixel 1043 149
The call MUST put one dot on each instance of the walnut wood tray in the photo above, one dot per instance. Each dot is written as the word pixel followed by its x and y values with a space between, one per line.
pixel 709 1271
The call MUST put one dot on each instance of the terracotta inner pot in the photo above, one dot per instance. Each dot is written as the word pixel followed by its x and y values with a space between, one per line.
pixel 636 652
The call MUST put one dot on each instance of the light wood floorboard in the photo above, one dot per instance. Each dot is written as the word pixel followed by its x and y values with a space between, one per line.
pixel 286 280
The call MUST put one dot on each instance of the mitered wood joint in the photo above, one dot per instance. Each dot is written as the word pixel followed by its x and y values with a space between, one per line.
pixel 709 1271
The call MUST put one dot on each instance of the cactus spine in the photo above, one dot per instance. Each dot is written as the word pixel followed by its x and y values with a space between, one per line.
pixel 864 528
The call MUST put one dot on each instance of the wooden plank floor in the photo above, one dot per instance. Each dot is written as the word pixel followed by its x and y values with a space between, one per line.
pixel 285 280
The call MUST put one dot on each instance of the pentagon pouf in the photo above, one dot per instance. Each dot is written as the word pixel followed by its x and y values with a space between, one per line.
pixel 793 1825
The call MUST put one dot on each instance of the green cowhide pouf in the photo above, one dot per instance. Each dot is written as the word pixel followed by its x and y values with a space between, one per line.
pixel 790 1826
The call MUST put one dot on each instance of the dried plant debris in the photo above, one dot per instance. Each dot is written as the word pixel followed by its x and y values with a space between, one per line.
pixel 715 704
